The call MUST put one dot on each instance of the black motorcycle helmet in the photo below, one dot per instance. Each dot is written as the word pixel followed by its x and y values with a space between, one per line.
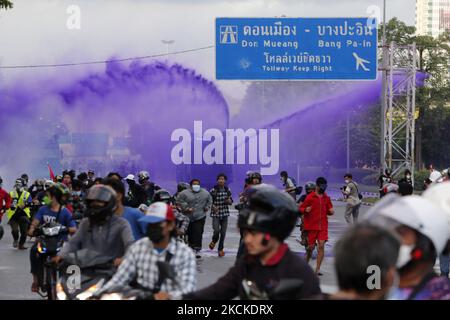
pixel 310 186
pixel 388 171
pixel 270 211
pixel 96 213
pixel 162 196
pixel 1 181
pixel 182 186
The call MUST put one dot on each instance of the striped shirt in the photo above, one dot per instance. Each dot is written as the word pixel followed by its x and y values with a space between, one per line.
pixel 140 264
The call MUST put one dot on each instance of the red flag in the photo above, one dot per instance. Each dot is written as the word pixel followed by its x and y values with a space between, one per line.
pixel 52 175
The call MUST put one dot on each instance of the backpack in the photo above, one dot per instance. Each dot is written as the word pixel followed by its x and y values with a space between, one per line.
pixel 298 190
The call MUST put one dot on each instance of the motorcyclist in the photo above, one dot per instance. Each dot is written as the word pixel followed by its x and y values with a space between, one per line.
pixel 149 187
pixel 181 220
pixel 76 200
pixel 5 203
pixel 266 222
pixel 139 267
pixel 37 194
pixel 405 184
pixel 52 211
pixel 19 214
pixel 424 232
pixel 101 230
pixel 384 179
pixel 440 195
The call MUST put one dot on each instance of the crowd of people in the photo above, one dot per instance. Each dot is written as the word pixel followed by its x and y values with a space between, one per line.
pixel 139 224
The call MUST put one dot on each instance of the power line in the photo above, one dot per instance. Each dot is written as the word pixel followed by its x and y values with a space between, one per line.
pixel 102 61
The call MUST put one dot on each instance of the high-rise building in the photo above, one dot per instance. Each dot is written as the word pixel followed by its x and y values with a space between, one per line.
pixel 432 17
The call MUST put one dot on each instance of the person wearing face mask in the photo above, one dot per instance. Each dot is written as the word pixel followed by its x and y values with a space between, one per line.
pixel 351 195
pixel 139 266
pixel 101 230
pixel 424 232
pixel 440 195
pixel 266 223
pixel 19 214
pixel 195 202
pixel 361 247
pixel 315 209
pixel 405 185
pixel 52 211
pixel 5 203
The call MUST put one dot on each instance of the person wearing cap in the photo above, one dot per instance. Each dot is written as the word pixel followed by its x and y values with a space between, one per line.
pixel 136 194
pixel 266 222
pixel 440 195
pixel 423 229
pixel 140 263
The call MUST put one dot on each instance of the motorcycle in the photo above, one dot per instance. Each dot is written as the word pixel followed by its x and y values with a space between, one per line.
pixel 49 243
pixel 138 292
pixel 287 289
pixel 85 271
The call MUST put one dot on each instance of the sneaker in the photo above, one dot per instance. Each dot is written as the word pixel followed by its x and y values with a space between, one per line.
pixel 15 243
pixel 212 245
pixel 221 253
pixel 198 255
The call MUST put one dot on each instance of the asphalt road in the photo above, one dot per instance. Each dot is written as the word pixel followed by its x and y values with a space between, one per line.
pixel 15 277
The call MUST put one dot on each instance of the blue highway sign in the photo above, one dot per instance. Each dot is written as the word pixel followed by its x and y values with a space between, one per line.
pixel 296 49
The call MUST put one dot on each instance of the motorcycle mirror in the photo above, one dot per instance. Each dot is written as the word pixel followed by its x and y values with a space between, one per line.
pixel 287 289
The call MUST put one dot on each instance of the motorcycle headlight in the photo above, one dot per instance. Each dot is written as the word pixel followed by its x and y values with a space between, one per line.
pixel 87 293
pixel 50 232
pixel 60 294
pixel 40 248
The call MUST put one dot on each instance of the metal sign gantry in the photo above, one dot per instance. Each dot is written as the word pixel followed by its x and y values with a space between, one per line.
pixel 400 64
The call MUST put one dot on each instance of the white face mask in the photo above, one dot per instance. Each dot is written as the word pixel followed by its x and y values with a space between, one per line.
pixel 347 181
pixel 404 255
pixel 408 176
pixel 196 188
pixel 392 293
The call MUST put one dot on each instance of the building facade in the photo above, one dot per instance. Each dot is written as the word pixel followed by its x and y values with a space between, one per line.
pixel 432 17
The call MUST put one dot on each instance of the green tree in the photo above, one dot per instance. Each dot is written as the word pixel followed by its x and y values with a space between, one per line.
pixel 6 4
pixel 432 99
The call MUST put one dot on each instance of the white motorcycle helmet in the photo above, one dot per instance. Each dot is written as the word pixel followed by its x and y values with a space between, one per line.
pixel 436 177
pixel 439 194
pixel 415 212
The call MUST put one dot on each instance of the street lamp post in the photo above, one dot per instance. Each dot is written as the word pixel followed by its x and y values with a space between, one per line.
pixel 168 43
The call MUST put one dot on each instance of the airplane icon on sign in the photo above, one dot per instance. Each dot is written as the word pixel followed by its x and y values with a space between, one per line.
pixel 360 62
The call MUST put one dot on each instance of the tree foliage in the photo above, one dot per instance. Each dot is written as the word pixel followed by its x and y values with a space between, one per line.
pixel 6 4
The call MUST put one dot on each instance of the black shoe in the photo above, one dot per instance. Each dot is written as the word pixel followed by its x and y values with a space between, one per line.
pixel 22 247
pixel 198 255
pixel 15 243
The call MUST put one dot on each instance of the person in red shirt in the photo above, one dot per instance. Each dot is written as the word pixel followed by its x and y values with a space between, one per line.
pixel 5 204
pixel 315 210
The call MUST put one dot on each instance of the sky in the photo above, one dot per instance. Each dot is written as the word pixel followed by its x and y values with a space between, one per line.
pixel 35 32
